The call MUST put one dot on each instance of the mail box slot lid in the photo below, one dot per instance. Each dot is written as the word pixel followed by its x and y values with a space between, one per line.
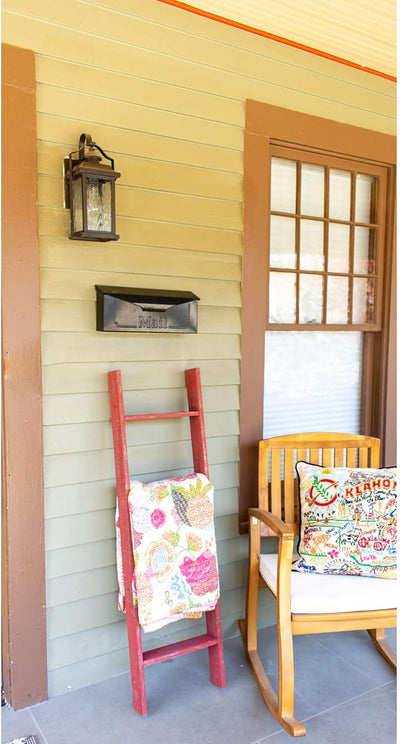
pixel 148 296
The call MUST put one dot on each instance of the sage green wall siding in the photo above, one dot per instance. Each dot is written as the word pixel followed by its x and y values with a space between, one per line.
pixel 164 93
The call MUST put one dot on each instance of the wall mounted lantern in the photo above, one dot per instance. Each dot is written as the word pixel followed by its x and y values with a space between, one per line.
pixel 90 192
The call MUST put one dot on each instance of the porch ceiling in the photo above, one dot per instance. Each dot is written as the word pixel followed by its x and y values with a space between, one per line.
pixel 362 32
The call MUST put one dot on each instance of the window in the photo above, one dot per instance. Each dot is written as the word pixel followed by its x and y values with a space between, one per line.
pixel 317 280
pixel 327 225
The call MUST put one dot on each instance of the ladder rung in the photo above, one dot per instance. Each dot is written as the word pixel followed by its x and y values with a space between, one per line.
pixel 144 416
pixel 177 649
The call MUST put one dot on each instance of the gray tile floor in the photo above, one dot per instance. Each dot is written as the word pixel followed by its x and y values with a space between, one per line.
pixel 345 692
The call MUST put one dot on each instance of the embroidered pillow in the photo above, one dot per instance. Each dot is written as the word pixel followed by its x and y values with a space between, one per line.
pixel 348 521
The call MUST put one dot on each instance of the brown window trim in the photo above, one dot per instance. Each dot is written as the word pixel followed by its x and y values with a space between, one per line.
pixel 268 126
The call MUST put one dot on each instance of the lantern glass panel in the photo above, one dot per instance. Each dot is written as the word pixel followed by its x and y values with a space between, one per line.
pixel 99 205
pixel 77 212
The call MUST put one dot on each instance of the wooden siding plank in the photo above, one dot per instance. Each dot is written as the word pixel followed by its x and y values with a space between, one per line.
pixel 91 407
pixel 74 587
pixel 91 612
pixel 62 347
pixel 66 500
pixel 56 102
pixel 76 558
pixel 162 92
pixel 80 529
pixel 146 173
pixel 54 130
pixel 58 284
pixel 93 670
pixel 80 467
pixel 88 436
pixel 164 88
pixel 134 231
pixel 162 260
pixel 205 53
pixel 74 378
pixel 69 650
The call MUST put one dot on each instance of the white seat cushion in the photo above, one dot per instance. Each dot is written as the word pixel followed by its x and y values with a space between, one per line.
pixel 320 593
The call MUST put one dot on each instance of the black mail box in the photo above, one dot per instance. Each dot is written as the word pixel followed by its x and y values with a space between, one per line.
pixel 127 309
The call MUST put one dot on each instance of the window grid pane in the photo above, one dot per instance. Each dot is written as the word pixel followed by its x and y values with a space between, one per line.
pixel 326 249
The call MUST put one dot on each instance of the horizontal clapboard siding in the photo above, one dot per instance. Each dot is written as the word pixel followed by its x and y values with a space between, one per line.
pixel 164 93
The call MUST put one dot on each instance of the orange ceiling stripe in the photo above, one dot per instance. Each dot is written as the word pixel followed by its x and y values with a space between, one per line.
pixel 273 37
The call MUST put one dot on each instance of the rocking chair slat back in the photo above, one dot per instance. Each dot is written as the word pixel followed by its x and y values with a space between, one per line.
pixel 278 485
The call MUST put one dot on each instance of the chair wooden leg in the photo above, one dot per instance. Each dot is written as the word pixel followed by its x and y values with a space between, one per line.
pixel 278 707
pixel 378 637
pixel 281 705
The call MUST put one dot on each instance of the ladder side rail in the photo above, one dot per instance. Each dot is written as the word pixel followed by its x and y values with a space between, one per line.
pixel 200 462
pixel 123 487
pixel 197 426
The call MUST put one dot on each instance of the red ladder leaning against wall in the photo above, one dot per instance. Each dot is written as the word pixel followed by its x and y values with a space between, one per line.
pixel 212 640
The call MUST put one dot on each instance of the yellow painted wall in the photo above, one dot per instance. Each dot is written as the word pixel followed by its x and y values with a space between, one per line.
pixel 163 92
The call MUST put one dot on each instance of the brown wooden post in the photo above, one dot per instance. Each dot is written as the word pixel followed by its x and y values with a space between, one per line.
pixel 23 572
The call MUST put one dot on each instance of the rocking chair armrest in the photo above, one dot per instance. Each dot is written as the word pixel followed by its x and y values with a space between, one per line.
pixel 276 525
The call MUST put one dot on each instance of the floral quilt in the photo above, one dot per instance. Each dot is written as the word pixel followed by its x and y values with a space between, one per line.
pixel 176 573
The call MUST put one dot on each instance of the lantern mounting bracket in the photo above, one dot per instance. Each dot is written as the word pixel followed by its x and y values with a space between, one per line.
pixel 85 140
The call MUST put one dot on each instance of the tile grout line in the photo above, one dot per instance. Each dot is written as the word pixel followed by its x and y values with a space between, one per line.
pixel 45 740
pixel 350 664
pixel 328 710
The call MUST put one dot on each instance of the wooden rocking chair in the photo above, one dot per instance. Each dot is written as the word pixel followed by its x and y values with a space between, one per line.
pixel 212 639
pixel 278 515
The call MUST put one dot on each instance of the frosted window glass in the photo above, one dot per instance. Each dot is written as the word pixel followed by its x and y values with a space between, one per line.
pixel 337 299
pixel 328 364
pixel 339 195
pixel 310 303
pixel 364 193
pixel 282 242
pixel 312 190
pixel 283 185
pixel 338 248
pixel 98 197
pixel 282 297
pixel 362 251
pixel 311 245
pixel 363 300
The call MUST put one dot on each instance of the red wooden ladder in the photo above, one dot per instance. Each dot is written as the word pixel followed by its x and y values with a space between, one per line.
pixel 212 639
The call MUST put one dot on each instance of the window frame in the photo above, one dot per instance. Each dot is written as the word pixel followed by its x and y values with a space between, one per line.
pixel 267 128
pixel 341 163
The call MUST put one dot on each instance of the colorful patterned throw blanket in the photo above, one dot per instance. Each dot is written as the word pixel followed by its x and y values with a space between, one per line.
pixel 176 574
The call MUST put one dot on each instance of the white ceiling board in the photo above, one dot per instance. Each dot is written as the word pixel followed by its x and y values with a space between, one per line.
pixel 360 31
